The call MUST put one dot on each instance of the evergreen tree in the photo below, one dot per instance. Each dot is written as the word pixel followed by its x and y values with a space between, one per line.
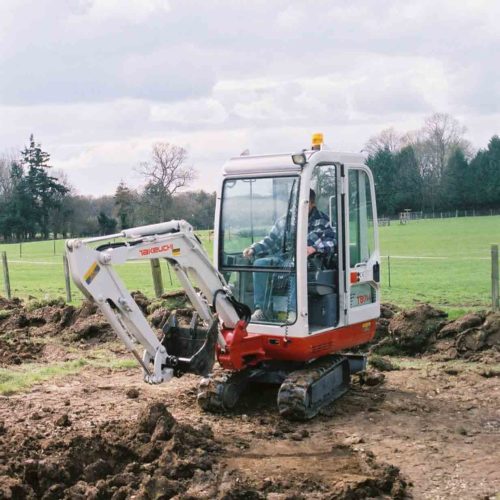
pixel 125 201
pixel 485 174
pixel 383 167
pixel 18 219
pixel 457 183
pixel 398 184
pixel 107 225
pixel 408 183
pixel 45 191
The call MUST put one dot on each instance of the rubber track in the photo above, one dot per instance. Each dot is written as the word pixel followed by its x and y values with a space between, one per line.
pixel 294 401
pixel 220 392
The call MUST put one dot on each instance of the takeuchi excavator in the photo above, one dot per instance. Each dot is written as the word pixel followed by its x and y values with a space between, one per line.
pixel 313 309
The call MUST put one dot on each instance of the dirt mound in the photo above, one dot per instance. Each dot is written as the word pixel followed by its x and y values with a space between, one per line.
pixel 22 330
pixel 414 330
pixel 425 331
pixel 9 304
pixel 387 311
pixel 475 337
pixel 159 457
pixel 15 352
pixel 407 332
pixel 21 324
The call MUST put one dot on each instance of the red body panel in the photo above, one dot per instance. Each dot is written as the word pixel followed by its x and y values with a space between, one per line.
pixel 245 349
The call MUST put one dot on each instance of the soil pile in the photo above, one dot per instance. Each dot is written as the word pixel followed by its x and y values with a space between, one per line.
pixel 61 320
pixel 9 304
pixel 20 351
pixel 407 332
pixel 475 337
pixel 425 331
pixel 159 457
pixel 156 456
pixel 24 325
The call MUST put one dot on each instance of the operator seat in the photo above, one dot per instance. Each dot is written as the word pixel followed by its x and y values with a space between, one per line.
pixel 322 279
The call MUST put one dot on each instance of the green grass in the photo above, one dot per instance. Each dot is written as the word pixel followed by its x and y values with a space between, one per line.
pixel 461 365
pixel 20 379
pixel 39 272
pixel 452 268
pixel 443 261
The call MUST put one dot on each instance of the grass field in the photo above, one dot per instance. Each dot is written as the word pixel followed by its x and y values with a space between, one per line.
pixel 444 261
pixel 39 270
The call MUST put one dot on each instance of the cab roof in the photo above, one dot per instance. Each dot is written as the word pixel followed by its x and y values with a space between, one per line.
pixel 282 163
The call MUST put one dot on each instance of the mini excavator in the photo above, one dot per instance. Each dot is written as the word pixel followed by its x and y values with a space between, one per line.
pixel 312 309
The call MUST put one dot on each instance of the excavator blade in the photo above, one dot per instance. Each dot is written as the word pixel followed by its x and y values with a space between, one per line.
pixel 190 349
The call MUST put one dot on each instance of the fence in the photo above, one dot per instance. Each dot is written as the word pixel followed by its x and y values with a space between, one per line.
pixel 401 275
pixel 38 270
pixel 417 215
pixel 450 281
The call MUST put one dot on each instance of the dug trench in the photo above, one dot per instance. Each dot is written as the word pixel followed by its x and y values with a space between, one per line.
pixel 428 428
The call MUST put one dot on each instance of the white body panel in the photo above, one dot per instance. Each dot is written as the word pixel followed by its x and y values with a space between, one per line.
pixel 282 165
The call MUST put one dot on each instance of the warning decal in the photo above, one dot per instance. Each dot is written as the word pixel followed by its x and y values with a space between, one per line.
pixel 91 273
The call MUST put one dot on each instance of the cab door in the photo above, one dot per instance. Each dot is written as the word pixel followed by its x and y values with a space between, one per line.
pixel 361 246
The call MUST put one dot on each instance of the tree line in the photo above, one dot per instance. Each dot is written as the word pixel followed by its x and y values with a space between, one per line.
pixel 37 201
pixel 433 169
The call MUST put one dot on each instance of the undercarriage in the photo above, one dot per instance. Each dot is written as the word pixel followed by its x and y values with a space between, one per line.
pixel 305 388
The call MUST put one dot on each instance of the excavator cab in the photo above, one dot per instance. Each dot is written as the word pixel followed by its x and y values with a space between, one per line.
pixel 265 205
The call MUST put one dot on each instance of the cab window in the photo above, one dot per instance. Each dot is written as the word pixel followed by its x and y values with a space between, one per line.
pixel 361 227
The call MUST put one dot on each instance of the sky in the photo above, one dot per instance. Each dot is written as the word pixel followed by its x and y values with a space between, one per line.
pixel 98 82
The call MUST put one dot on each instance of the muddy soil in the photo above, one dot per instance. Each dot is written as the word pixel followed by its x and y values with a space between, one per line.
pixel 425 331
pixel 19 351
pixel 427 427
pixel 429 431
pixel 40 332
pixel 156 456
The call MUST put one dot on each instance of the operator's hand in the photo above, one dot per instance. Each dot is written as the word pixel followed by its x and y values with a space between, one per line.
pixel 310 251
pixel 248 253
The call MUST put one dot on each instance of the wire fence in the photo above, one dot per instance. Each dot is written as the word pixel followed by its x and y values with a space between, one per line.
pixel 37 270
pixel 409 215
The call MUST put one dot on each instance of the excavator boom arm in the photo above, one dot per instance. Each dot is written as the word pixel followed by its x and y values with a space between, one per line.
pixel 92 271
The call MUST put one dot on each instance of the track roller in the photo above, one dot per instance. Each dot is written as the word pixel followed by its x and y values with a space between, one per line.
pixel 220 393
pixel 305 392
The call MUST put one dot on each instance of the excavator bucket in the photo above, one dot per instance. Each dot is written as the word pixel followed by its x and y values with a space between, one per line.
pixel 193 347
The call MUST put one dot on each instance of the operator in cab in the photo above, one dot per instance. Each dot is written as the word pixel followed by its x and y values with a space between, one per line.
pixel 321 240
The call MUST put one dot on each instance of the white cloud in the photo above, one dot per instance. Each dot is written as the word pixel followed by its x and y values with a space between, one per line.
pixel 190 112
pixel 98 81
pixel 131 11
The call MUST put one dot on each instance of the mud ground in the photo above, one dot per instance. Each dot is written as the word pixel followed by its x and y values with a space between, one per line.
pixel 439 426
pixel 428 426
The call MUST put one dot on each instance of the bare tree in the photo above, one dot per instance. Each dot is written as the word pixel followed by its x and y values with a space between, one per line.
pixel 165 174
pixel 387 139
pixel 167 168
pixel 434 144
pixel 7 159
